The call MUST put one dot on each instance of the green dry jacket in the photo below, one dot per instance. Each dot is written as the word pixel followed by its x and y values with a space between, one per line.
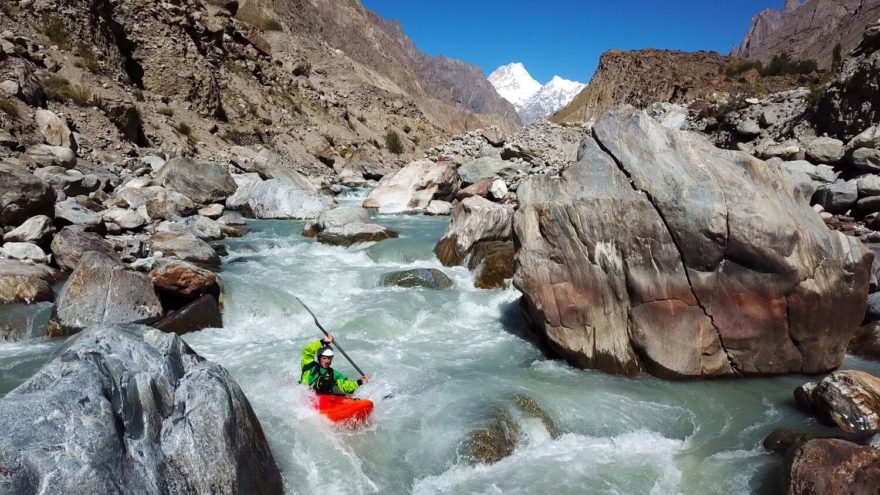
pixel 311 370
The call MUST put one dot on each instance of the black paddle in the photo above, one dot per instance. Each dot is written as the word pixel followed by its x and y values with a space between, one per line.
pixel 335 343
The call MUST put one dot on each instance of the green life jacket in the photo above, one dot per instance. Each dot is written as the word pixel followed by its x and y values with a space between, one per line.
pixel 322 383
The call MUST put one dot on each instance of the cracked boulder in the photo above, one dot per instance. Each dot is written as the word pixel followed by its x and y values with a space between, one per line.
pixel 414 186
pixel 129 409
pixel 658 252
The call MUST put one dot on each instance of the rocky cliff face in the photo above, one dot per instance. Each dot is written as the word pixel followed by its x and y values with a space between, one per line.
pixel 808 31
pixel 643 77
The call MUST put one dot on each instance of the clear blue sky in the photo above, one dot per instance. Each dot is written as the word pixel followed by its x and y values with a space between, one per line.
pixel 566 37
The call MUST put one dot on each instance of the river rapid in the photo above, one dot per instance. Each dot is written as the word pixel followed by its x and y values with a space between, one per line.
pixel 446 357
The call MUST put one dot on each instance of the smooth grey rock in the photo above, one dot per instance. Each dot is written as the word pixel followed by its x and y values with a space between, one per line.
pixel 651 226
pixel 838 197
pixel 38 230
pixel 487 167
pixel 70 212
pixel 202 227
pixel 276 199
pixel 22 196
pixel 867 159
pixel 437 207
pixel 822 174
pixel 129 409
pixel 337 217
pixel 71 243
pixel 869 138
pixel 24 251
pixel 748 128
pixel 869 185
pixel 186 247
pixel 213 211
pixel 768 118
pixel 101 291
pixel 414 186
pixel 825 150
pixel 67 182
pixel 202 182
pixel 45 155
pixel 474 220
pixel 125 219
pixel 154 162
pixel 429 278
pixel 139 182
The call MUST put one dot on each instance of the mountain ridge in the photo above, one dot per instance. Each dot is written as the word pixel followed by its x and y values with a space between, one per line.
pixel 531 99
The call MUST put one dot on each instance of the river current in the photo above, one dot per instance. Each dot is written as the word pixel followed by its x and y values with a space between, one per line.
pixel 445 358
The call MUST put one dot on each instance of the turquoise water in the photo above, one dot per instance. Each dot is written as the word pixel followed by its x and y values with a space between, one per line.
pixel 446 357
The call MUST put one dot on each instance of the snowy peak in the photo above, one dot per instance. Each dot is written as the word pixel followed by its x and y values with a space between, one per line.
pixel 514 83
pixel 532 100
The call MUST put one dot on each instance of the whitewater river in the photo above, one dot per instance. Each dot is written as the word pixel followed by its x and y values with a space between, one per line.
pixel 447 357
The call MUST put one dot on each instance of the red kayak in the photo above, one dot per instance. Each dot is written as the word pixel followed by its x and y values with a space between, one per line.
pixel 340 408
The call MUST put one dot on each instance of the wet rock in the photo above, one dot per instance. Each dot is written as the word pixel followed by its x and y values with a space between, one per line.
pixel 832 466
pixel 54 129
pixel 866 341
pixel 129 409
pixel 22 196
pixel 825 150
pixel 838 197
pixel 616 249
pixel 428 278
pixel 125 219
pixel 24 283
pixel 202 182
pixel 866 159
pixel 276 199
pixel 47 156
pixel 438 208
pixel 202 313
pixel 473 220
pixel 847 399
pixel 38 230
pixel 355 233
pixel 531 407
pixel 414 186
pixel 336 217
pixel 494 441
pixel 101 291
pixel 70 243
pixel 184 281
pixel 24 251
pixel 492 263
pixel 186 247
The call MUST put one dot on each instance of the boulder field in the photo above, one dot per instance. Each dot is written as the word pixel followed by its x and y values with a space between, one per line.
pixel 658 252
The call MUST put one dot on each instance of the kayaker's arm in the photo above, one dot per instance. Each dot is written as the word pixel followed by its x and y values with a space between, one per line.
pixel 345 385
pixel 308 354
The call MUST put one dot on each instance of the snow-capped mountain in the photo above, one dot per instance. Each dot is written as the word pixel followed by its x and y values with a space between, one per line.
pixel 532 100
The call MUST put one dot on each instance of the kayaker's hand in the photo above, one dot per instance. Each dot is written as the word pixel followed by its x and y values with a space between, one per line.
pixel 365 379
pixel 329 339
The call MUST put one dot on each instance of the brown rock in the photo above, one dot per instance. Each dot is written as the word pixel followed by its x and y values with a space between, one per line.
pixel 848 399
pixel 202 313
pixel 180 279
pixel 69 245
pixel 474 220
pixel 481 188
pixel 493 264
pixel 831 467
pixel 24 283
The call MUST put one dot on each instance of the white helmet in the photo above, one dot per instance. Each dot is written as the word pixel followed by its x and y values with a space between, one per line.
pixel 325 351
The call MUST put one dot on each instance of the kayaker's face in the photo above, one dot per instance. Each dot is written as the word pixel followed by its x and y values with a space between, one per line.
pixel 325 361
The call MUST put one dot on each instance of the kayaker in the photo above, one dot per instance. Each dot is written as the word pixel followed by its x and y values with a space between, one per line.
pixel 319 376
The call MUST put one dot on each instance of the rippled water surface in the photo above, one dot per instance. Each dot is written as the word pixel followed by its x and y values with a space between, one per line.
pixel 446 357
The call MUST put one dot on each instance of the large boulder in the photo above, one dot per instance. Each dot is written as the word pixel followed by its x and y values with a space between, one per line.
pixel 70 182
pixel 71 243
pixel 204 312
pixel 277 199
pixel 185 246
pixel 474 220
pixel 182 280
pixel 825 150
pixel 657 251
pixel 129 409
pixel 414 186
pixel 202 182
pixel 866 341
pixel 25 283
pixel 22 196
pixel 101 291
pixel 830 466
pixel 44 155
pixel 487 167
pixel 838 197
pixel 71 212
pixel 847 399
pixel 336 217
pixel 355 233
pixel 867 159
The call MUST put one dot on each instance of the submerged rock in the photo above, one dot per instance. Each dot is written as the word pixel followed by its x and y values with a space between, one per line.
pixel 495 440
pixel 129 409
pixel 531 407
pixel 429 278
pixel 659 252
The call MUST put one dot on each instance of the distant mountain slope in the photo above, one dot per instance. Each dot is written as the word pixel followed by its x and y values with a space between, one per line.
pixel 447 90
pixel 809 30
pixel 532 100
